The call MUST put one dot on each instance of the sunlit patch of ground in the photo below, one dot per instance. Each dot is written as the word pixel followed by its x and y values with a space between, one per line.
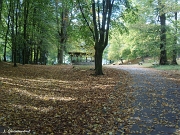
pixel 62 99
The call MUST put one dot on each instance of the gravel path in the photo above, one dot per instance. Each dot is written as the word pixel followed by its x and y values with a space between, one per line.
pixel 156 109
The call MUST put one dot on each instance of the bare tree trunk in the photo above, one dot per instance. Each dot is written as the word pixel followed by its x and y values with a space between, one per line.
pixel 16 31
pixel 98 61
pixel 35 54
pixel 60 54
pixel 163 56
pixel 26 13
pixel 174 55
pixel 101 31
pixel 31 55
pixel 62 24
pixel 32 37
pixel 1 6
pixel 13 36
pixel 7 32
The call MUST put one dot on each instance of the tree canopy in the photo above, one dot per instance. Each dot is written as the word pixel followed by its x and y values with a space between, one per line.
pixel 34 32
pixel 154 34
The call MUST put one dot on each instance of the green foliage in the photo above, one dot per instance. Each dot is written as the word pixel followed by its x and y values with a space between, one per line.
pixel 126 53
pixel 134 28
pixel 139 42
pixel 143 38
pixel 115 45
pixel 33 25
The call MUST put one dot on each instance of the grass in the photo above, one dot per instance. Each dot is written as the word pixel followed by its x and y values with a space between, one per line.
pixel 171 71
pixel 162 67
pixel 167 67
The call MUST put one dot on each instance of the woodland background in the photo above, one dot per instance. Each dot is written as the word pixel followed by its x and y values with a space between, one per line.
pixel 33 32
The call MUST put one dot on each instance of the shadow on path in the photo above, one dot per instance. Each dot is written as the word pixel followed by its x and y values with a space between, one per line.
pixel 156 109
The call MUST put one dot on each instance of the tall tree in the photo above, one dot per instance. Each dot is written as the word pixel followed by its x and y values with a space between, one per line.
pixel 101 14
pixel 26 14
pixel 101 30
pixel 7 32
pixel 100 25
pixel 13 31
pixel 63 21
pixel 174 55
pixel 162 17
pixel 1 6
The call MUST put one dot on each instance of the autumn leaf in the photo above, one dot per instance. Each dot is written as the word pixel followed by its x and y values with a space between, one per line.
pixel 60 99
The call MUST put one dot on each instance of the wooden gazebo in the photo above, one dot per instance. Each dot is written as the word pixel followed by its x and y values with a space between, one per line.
pixel 78 57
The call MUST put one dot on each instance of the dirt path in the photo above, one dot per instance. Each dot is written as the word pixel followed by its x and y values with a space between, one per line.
pixel 156 109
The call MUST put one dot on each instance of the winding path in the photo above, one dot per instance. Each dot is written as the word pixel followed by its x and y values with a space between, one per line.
pixel 156 109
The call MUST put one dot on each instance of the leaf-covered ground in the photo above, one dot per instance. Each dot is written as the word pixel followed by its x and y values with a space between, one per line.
pixel 62 100
pixel 156 108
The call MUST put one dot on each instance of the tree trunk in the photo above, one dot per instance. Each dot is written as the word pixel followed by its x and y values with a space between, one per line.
pixel 26 11
pixel 163 56
pixel 1 3
pixel 174 55
pixel 174 61
pixel 98 59
pixel 43 57
pixel 31 55
pixel 100 33
pixel 4 55
pixel 35 60
pixel 15 49
pixel 7 32
pixel 8 28
pixel 60 54
pixel 16 32
pixel 62 19
pixel 13 28
pixel 19 54
pixel 37 55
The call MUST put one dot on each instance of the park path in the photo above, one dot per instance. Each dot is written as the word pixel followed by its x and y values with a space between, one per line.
pixel 156 108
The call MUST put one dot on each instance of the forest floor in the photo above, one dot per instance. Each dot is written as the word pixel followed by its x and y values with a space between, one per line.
pixel 60 99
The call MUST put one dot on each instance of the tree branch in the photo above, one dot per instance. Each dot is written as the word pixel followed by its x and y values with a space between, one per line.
pixel 94 22
pixel 98 15
pixel 86 20
pixel 108 21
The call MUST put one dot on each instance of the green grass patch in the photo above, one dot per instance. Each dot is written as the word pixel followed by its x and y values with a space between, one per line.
pixel 149 64
pixel 161 67
pixel 167 67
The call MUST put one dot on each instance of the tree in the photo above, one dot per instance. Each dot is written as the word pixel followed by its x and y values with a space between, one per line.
pixel 101 15
pixel 26 14
pixel 62 10
pixel 101 30
pixel 145 37
pixel 162 17
pixel 174 53
pixel 1 5
pixel 13 30
pixel 7 33
pixel 27 30
pixel 102 11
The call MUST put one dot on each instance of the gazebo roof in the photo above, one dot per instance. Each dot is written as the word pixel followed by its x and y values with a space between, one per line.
pixel 77 53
